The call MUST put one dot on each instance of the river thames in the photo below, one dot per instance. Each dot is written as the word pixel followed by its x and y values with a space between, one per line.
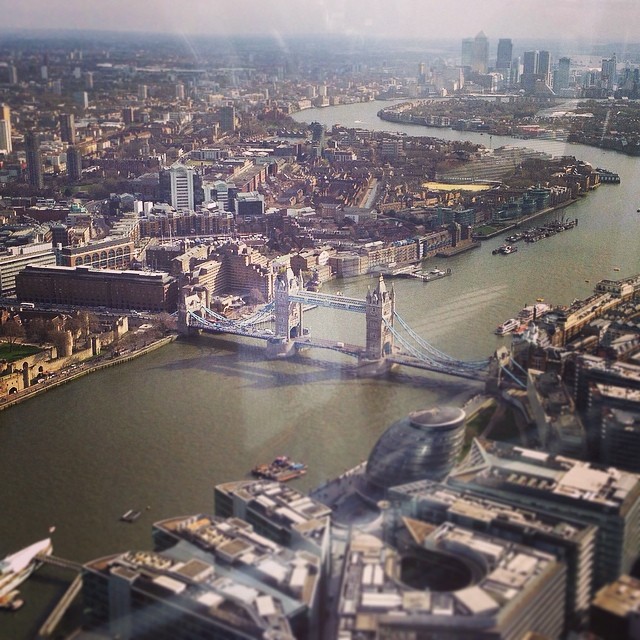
pixel 162 430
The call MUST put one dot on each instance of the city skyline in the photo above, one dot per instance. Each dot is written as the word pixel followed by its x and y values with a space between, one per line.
pixel 596 21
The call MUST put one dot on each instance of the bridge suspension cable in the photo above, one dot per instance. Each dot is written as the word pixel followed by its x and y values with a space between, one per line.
pixel 513 377
pixel 429 352
pixel 449 366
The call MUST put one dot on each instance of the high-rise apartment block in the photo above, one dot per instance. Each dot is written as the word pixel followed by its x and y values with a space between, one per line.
pixel 127 115
pixel 74 163
pixel 34 160
pixel 182 196
pixel 227 117
pixel 68 128
pixel 5 129
pixel 81 98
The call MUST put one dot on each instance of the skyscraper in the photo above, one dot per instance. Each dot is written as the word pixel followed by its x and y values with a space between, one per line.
pixel 5 129
pixel 505 53
pixel 480 53
pixel 68 128
pixel 608 72
pixel 530 62
pixel 562 75
pixel 544 67
pixel 536 70
pixel 467 52
pixel 34 160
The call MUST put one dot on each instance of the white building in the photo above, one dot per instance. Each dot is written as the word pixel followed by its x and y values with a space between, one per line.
pixel 5 129
pixel 182 187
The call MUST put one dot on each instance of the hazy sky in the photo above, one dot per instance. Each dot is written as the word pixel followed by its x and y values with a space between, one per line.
pixel 600 20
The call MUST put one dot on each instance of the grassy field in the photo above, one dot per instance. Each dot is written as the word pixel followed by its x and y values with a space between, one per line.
pixel 446 186
pixel 485 230
pixel 12 352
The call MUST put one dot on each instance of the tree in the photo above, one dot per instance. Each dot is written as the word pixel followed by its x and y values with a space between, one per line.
pixel 164 323
pixel 11 331
pixel 58 339
pixel 37 330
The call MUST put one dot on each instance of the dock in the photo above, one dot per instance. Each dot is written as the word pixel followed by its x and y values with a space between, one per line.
pixel 48 629
pixel 416 273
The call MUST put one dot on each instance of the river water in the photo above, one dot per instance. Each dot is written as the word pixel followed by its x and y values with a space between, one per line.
pixel 162 430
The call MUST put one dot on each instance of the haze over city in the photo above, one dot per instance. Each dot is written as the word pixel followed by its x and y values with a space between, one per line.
pixel 564 19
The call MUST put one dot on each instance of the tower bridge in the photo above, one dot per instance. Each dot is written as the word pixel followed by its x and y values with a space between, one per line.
pixel 388 338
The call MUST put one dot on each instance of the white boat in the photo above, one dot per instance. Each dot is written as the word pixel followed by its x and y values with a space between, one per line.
pixel 437 272
pixel 16 568
pixel 508 326
pixel 532 311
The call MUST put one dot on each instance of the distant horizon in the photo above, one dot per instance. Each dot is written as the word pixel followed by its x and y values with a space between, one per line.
pixel 593 21
pixel 577 46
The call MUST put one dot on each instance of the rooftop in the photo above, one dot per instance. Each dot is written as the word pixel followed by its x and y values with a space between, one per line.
pixel 493 463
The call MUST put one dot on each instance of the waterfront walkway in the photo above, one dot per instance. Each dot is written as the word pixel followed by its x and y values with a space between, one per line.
pixel 79 370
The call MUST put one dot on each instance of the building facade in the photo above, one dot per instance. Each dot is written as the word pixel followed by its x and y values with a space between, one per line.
pixel 34 160
pixel 88 287
pixel 14 259
pixel 5 129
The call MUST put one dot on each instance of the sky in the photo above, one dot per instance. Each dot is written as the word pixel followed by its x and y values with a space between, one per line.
pixel 597 20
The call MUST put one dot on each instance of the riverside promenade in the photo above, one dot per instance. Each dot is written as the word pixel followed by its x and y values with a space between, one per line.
pixel 81 369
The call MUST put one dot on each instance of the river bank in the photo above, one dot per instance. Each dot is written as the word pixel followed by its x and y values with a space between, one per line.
pixel 524 220
pixel 81 370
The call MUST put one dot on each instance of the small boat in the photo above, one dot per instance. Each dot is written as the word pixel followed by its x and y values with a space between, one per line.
pixel 281 469
pixel 130 516
pixel 504 249
pixel 616 268
pixel 507 326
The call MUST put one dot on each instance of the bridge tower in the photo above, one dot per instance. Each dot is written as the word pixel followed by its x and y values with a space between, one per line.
pixel 288 315
pixel 381 305
pixel 190 303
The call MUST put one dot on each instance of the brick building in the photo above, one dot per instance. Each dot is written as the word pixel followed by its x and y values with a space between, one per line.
pixel 109 254
pixel 88 287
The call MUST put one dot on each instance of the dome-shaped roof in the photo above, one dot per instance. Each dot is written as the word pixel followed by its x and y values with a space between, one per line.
pixel 423 445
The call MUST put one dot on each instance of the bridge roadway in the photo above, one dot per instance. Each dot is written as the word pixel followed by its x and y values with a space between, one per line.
pixel 320 343
pixel 56 561
pixel 411 361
